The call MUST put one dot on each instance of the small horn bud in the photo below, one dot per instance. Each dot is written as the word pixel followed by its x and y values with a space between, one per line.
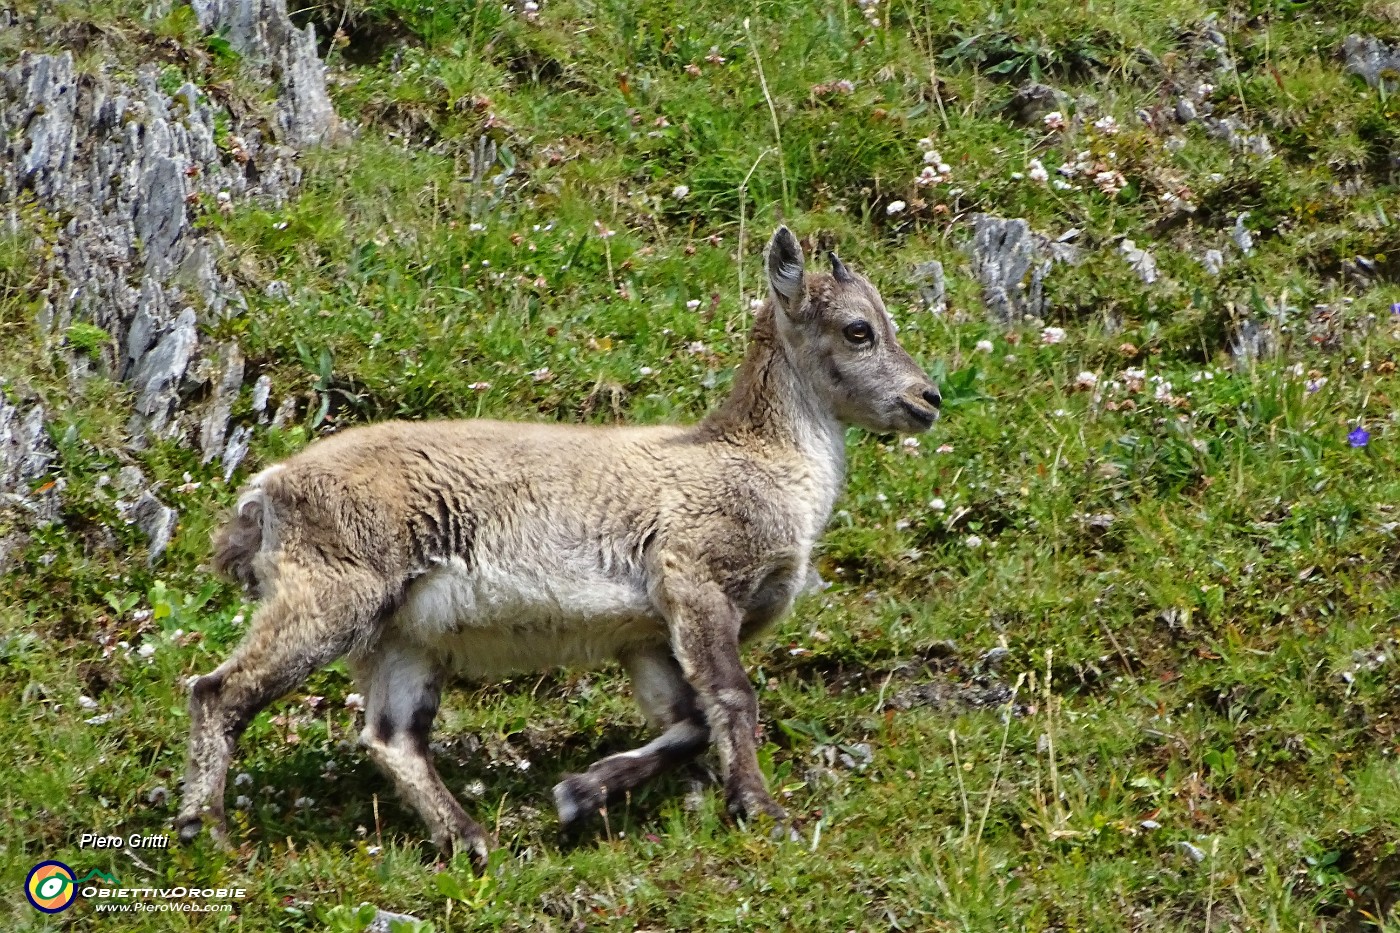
pixel 838 268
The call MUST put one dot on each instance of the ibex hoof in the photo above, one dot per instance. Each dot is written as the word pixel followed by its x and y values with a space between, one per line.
pixel 751 805
pixel 189 825
pixel 468 838
pixel 576 797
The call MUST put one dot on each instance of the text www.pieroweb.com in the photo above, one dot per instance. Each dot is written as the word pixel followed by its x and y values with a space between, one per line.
pixel 177 906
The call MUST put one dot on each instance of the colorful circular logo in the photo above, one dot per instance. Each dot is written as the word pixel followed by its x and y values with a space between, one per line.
pixel 51 887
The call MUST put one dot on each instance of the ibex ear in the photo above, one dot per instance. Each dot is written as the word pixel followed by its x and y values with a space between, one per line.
pixel 785 275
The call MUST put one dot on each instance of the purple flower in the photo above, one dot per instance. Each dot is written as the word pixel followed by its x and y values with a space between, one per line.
pixel 1359 437
pixel 1395 308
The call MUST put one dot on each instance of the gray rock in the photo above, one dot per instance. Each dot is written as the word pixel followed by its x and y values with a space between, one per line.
pixel 262 31
pixel 285 412
pixel 1241 235
pixel 1214 261
pixel 236 449
pixel 156 520
pixel 1373 60
pixel 226 386
pixel 385 919
pixel 1195 853
pixel 261 390
pixel 932 286
pixel 158 375
pixel 1031 102
pixel 1003 252
pixel 1252 340
pixel 25 450
pixel 1140 260
pixel 130 479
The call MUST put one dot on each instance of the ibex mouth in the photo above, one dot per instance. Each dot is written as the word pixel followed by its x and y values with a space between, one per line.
pixel 924 417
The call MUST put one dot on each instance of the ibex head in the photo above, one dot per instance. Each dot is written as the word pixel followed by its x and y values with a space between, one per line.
pixel 843 341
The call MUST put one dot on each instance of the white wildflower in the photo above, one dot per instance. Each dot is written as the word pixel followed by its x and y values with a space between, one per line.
pixel 692 304
pixel 938 505
pixel 894 207
pixel 680 192
pixel 973 541
pixel 1052 335
pixel 1054 120
pixel 1086 380
pixel 1106 125
pixel 1037 172
pixel 984 346
pixel 1110 182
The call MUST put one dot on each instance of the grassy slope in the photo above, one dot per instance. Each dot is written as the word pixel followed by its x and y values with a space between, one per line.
pixel 1204 661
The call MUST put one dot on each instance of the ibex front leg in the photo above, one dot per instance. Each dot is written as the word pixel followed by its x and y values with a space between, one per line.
pixel 705 637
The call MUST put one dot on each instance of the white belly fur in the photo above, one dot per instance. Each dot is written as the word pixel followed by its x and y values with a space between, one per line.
pixel 486 621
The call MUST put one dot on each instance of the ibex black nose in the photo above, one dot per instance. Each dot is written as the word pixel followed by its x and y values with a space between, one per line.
pixel 933 398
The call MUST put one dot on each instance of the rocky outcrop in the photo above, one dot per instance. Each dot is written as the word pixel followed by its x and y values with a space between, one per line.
pixel 25 455
pixel 129 168
pixel 117 172
pixel 1373 60
pixel 261 32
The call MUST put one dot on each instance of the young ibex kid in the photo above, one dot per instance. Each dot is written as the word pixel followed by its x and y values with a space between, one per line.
pixel 483 548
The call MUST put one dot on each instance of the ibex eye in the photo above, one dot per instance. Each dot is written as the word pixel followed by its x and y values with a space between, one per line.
pixel 859 332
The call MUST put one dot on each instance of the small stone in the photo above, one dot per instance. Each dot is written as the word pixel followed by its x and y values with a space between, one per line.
pixel 1193 852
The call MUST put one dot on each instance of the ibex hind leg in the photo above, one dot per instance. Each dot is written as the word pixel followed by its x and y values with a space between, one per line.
pixel 669 704
pixel 402 686
pixel 301 628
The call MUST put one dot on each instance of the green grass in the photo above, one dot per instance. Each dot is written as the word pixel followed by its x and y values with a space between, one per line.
pixel 1125 673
